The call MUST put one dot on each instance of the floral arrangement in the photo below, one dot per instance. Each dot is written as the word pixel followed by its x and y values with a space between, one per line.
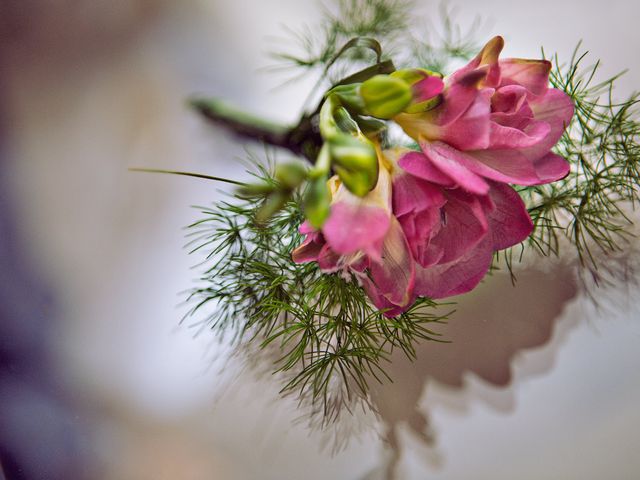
pixel 419 180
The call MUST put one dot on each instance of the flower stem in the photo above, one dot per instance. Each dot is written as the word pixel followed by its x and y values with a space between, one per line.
pixel 302 139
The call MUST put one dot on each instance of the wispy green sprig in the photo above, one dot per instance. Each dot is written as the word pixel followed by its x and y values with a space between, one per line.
pixel 589 208
pixel 331 341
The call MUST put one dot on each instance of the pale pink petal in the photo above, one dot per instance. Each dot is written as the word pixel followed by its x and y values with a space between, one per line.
pixel 457 277
pixel 455 165
pixel 394 274
pixel 356 227
pixel 531 74
pixel 509 222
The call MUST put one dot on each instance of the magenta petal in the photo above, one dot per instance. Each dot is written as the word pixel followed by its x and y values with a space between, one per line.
pixel 555 108
pixel 381 302
pixel 328 260
pixel 509 222
pixel 508 137
pixel 394 275
pixel 471 130
pixel 411 194
pixel 308 251
pixel 457 277
pixel 356 227
pixel 427 88
pixel 531 74
pixel 464 226
pixel 418 165
pixel 455 165
pixel 551 168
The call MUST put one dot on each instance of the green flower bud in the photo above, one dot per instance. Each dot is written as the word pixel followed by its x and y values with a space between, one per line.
pixel 317 202
pixel 272 204
pixel 349 96
pixel 356 163
pixel 385 96
pixel 290 175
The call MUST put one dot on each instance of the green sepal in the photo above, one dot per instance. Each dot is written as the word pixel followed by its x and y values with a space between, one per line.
pixel 349 96
pixel 290 175
pixel 356 163
pixel 274 202
pixel 385 96
pixel 317 202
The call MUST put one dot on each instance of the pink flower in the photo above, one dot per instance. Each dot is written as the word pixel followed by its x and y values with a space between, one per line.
pixel 362 237
pixel 415 234
pixel 452 233
pixel 497 120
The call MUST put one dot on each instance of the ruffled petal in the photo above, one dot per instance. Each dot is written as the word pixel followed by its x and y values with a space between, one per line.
pixel 455 165
pixel 394 274
pixel 457 277
pixel 531 74
pixel 352 228
pixel 411 194
pixel 509 222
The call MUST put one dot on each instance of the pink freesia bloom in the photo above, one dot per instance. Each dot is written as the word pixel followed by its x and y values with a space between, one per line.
pixel 362 237
pixel 497 120
pixel 452 233
pixel 416 234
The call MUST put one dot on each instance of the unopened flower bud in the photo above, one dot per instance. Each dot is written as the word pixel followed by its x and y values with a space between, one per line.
pixel 385 96
pixel 290 175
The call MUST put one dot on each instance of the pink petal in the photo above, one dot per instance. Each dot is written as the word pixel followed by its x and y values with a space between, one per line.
pixel 488 56
pixel 507 137
pixel 328 260
pixel 427 88
pixel 411 194
pixel 513 166
pixel 531 74
pixel 394 274
pixel 308 251
pixel 555 108
pixel 457 277
pixel 418 165
pixel 356 227
pixel 464 225
pixel 455 165
pixel 509 222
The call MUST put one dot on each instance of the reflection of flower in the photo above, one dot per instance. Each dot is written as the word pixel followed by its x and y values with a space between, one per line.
pixel 424 237
pixel 497 120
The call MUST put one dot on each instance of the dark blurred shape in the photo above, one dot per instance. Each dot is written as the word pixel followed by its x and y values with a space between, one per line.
pixel 490 327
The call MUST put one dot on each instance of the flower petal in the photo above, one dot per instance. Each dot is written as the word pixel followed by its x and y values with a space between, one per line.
pixel 531 74
pixel 412 194
pixel 457 277
pixel 455 165
pixel 417 165
pixel 509 222
pixel 394 275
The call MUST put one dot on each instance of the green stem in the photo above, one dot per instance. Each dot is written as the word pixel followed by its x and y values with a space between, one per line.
pixel 301 140
pixel 188 174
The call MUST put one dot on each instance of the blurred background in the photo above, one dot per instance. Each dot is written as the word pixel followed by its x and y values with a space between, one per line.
pixel 98 380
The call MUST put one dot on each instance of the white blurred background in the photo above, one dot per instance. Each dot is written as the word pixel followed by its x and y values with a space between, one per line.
pixel 547 389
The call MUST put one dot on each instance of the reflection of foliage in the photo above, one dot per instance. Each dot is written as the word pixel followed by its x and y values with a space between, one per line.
pixel 588 207
pixel 330 339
